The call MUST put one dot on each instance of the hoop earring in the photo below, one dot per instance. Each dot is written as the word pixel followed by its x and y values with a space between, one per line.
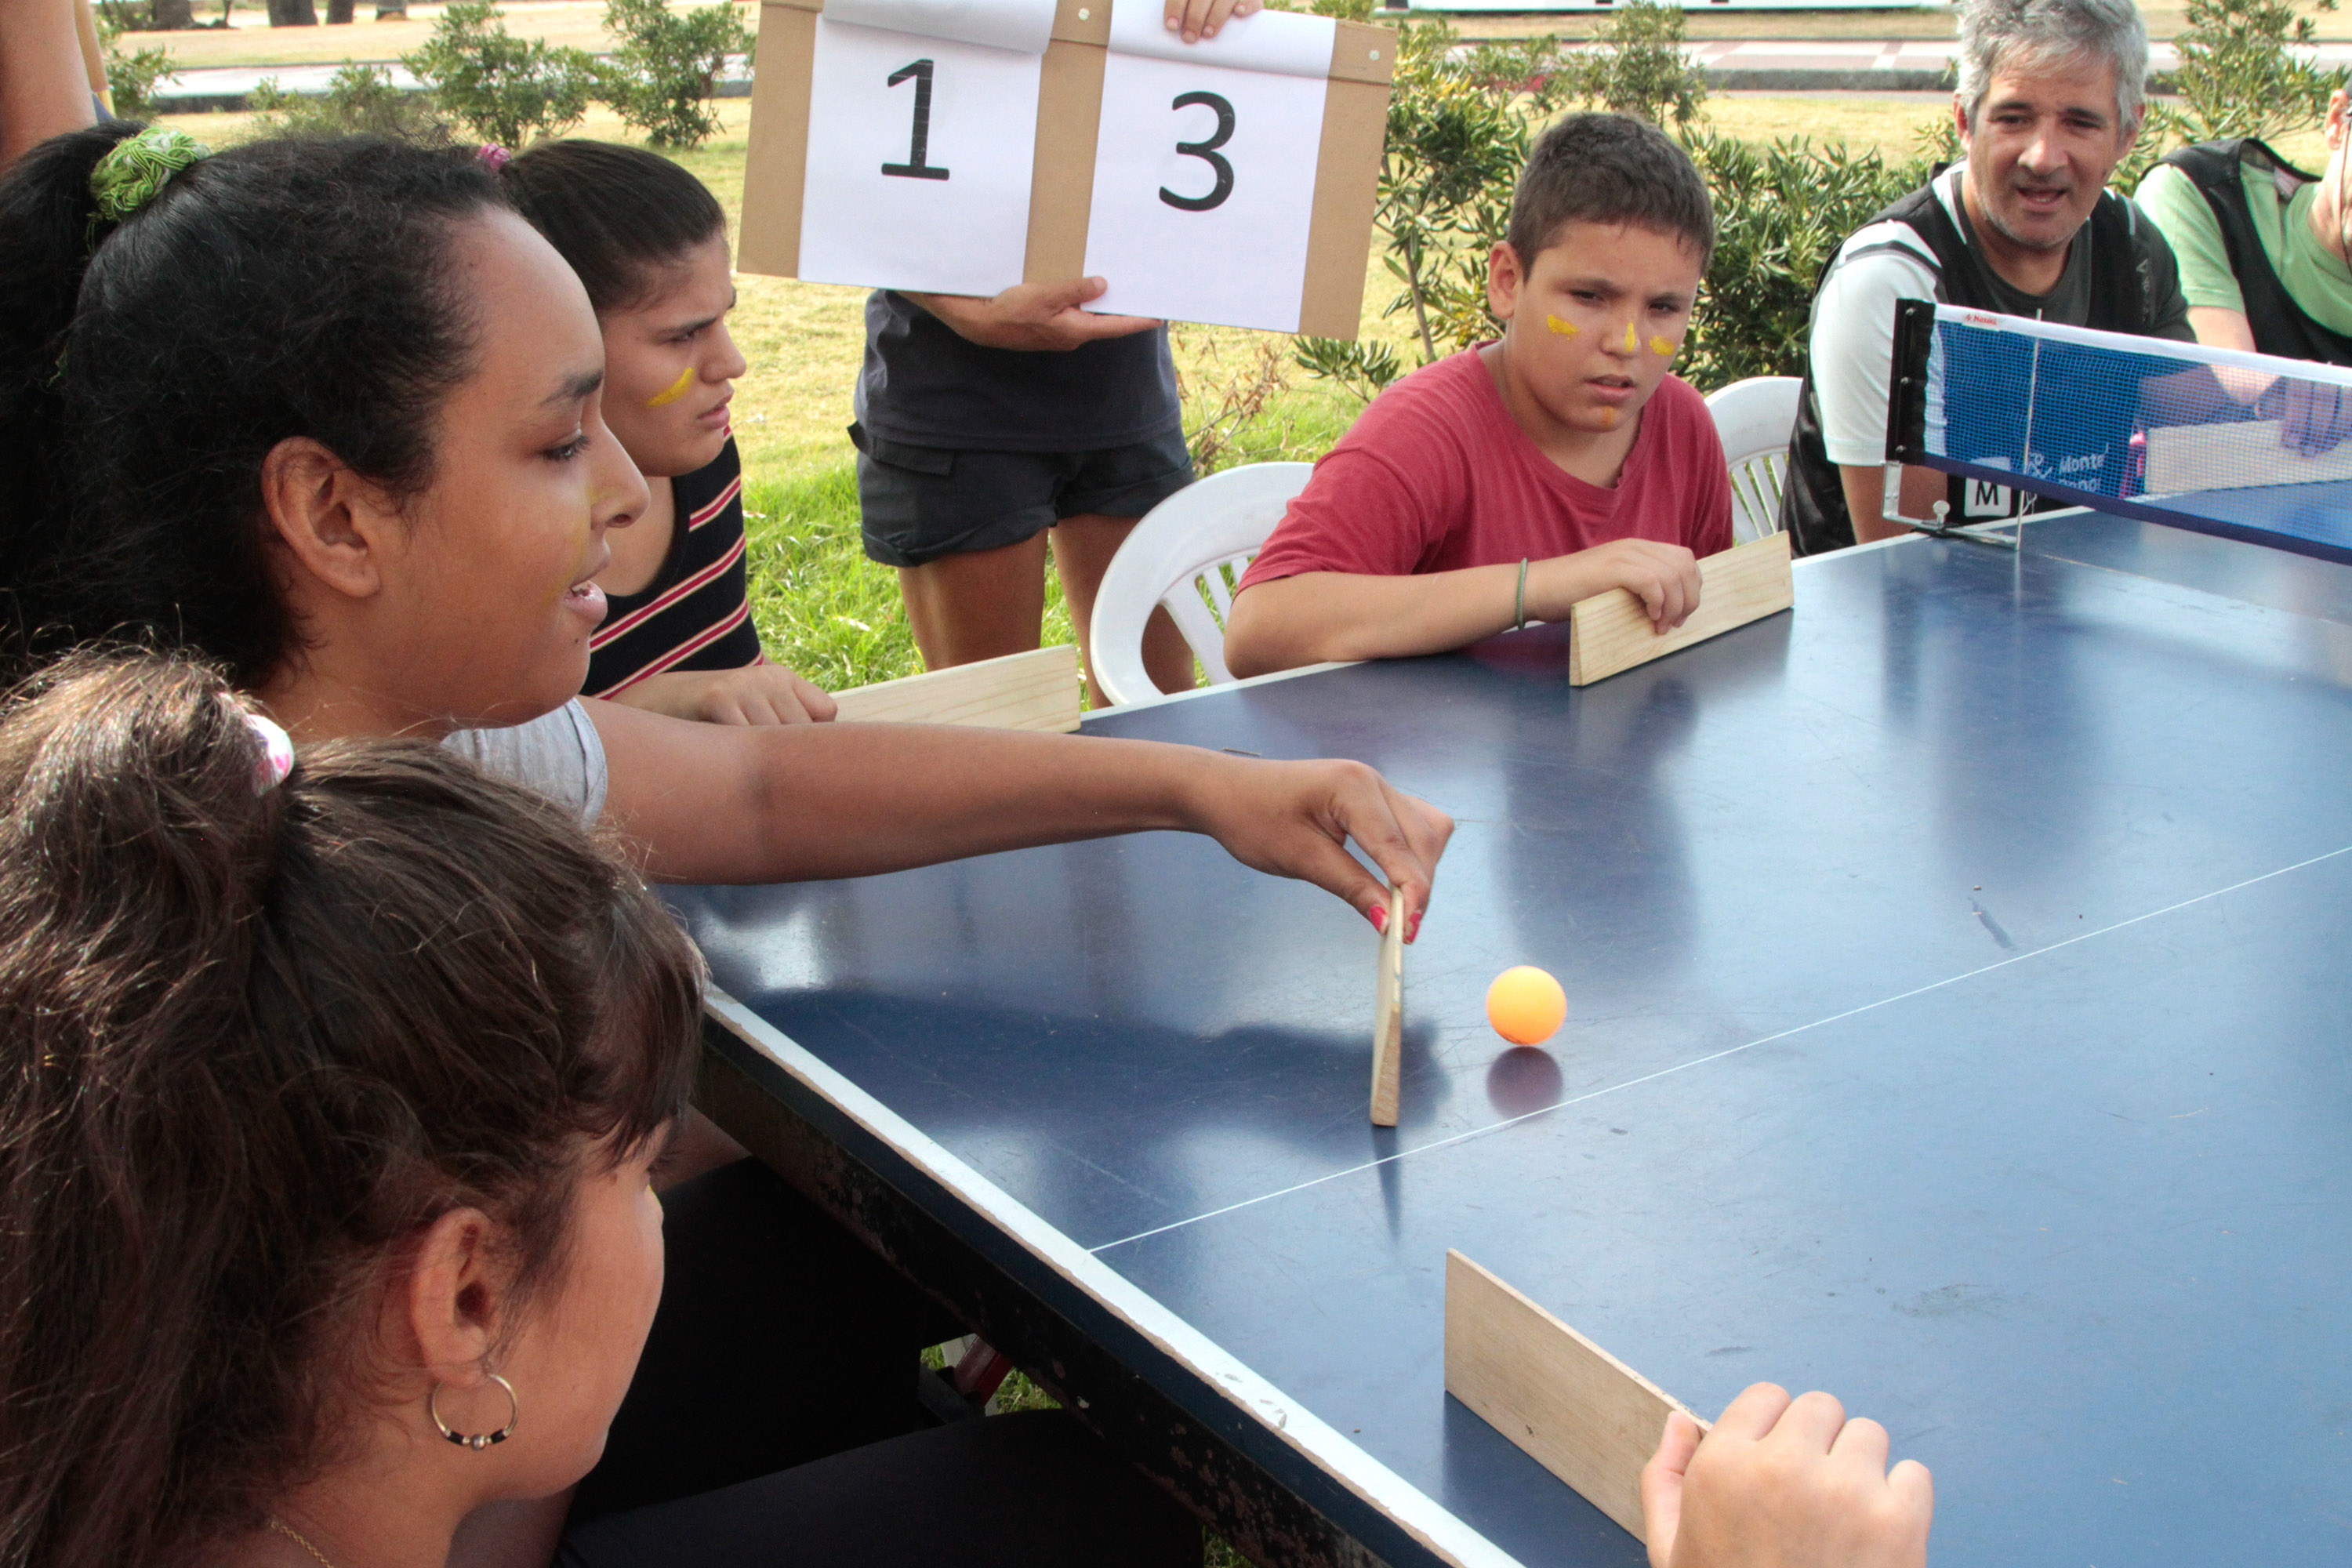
pixel 476 1441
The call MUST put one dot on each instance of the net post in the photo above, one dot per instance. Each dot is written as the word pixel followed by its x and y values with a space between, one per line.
pixel 1907 423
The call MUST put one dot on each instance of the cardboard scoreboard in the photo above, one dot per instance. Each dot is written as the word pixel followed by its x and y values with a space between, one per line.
pixel 962 146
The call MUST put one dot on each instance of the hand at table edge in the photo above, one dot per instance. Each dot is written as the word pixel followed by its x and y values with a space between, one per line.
pixel 1783 1483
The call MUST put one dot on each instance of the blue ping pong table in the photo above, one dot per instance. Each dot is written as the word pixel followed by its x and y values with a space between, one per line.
pixel 1961 1019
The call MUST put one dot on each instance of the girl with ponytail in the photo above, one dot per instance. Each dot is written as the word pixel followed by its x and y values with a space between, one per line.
pixel 330 413
pixel 328 1240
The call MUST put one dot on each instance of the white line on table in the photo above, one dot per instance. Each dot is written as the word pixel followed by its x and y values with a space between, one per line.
pixel 1716 1056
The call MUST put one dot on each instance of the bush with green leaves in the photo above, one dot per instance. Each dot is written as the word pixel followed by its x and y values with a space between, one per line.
pixel 664 70
pixel 2241 73
pixel 500 88
pixel 1455 147
pixel 1637 65
pixel 1780 213
pixel 132 75
pixel 359 99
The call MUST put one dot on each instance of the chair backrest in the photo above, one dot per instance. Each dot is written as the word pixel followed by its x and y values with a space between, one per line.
pixel 1186 555
pixel 1754 418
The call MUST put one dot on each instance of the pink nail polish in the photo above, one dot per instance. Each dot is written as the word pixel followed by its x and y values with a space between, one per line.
pixel 1379 915
pixel 1412 928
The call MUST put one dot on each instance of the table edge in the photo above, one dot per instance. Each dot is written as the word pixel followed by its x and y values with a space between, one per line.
pixel 1278 1416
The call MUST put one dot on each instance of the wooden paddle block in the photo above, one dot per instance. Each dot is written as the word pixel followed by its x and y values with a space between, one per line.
pixel 1608 633
pixel 1388 1015
pixel 1033 691
pixel 1576 1410
pixel 2184 459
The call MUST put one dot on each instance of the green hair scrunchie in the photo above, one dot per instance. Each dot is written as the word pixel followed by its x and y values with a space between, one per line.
pixel 136 169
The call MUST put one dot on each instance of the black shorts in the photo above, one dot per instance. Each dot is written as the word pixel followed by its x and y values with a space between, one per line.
pixel 918 503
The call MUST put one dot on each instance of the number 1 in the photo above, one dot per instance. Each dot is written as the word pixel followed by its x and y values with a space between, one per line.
pixel 916 167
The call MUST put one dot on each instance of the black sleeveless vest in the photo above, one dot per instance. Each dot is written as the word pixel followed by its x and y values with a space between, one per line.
pixel 1812 502
pixel 2280 325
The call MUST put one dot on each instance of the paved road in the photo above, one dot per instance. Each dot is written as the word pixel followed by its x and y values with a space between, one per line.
pixel 1787 65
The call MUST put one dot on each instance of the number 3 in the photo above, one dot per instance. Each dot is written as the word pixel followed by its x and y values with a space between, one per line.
pixel 1207 152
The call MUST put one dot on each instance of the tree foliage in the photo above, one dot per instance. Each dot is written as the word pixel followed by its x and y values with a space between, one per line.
pixel 2246 70
pixel 665 67
pixel 132 75
pixel 500 88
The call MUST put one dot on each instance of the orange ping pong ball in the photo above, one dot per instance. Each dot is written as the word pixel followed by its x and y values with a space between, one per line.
pixel 1526 1005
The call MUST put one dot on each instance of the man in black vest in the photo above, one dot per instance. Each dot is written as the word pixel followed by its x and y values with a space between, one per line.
pixel 2049 99
pixel 2262 247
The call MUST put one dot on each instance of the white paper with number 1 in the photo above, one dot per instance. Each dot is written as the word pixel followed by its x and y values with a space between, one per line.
pixel 1204 167
pixel 921 141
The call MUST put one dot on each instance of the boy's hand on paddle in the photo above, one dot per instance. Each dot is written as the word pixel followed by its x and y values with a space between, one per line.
pixel 756 694
pixel 1198 19
pixel 1044 317
pixel 1664 577
pixel 1783 1483
pixel 1295 819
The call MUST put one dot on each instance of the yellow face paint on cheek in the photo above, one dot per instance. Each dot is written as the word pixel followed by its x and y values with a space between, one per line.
pixel 676 389
pixel 1660 346
pixel 1565 328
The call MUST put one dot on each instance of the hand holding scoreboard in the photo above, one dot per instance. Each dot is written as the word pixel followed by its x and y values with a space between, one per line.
pixel 964 146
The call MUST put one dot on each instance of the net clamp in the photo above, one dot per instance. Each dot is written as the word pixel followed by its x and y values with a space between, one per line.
pixel 1891 508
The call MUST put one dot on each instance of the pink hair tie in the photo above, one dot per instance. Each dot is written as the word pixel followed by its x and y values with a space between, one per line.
pixel 277 758
pixel 493 156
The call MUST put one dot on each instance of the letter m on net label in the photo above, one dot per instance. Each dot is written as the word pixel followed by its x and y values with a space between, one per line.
pixel 1986 498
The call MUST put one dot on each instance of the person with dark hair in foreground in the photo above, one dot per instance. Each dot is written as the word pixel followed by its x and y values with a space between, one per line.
pixel 331 413
pixel 649 244
pixel 325 1235
pixel 1504 484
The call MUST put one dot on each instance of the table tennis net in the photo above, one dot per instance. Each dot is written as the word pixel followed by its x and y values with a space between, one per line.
pixel 2242 445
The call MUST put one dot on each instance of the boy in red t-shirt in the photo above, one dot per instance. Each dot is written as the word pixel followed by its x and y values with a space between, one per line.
pixel 1506 482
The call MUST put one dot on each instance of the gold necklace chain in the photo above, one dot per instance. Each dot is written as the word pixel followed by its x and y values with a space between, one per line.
pixel 299 1538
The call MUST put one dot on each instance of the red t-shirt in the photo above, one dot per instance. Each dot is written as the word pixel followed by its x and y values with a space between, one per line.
pixel 1436 475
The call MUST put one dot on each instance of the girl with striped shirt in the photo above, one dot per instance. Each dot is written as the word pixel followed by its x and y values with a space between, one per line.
pixel 649 241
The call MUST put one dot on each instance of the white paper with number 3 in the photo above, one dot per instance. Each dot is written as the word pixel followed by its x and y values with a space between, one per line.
pixel 957 220
pixel 1218 233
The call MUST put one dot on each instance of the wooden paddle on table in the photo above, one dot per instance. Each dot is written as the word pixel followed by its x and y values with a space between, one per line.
pixel 1388 1015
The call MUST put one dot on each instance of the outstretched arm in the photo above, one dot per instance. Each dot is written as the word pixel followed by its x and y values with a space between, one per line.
pixel 710 803
pixel 1286 622
pixel 1783 1483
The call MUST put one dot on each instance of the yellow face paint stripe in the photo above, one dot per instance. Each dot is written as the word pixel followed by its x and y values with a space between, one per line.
pixel 1565 328
pixel 1632 341
pixel 676 389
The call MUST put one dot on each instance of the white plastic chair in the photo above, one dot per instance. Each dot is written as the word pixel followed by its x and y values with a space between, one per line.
pixel 1186 555
pixel 1754 418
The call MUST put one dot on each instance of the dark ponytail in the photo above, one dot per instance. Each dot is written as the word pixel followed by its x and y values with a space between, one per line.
pixel 45 235
pixel 620 216
pixel 258 1039
pixel 285 288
